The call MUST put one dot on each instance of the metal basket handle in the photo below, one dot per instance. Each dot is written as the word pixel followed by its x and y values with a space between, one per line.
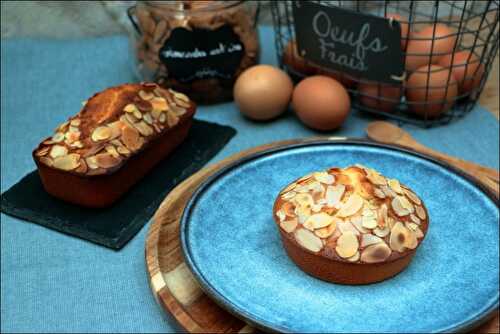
pixel 131 16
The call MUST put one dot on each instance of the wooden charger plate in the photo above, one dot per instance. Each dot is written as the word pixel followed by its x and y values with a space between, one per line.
pixel 173 285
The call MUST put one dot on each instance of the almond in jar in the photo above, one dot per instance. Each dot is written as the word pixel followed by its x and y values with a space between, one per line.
pixel 196 47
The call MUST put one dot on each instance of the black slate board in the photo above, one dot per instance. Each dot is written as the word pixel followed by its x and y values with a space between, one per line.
pixel 113 227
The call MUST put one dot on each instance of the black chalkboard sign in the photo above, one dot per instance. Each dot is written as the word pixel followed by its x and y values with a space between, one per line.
pixel 361 45
pixel 201 53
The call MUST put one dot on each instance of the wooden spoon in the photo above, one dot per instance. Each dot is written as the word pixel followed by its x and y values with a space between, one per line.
pixel 385 132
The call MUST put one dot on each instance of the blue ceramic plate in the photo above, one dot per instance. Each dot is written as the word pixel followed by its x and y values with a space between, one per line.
pixel 232 246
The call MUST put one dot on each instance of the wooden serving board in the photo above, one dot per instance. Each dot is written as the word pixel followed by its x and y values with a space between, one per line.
pixel 174 287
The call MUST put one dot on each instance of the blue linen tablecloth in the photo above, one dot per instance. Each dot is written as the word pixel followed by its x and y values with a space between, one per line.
pixel 55 283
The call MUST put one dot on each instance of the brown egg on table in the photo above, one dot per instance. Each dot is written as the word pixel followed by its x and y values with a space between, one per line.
pixel 262 92
pixel 379 96
pixel 346 80
pixel 296 62
pixel 321 103
pixel 431 90
pixel 404 28
pixel 440 42
pixel 466 68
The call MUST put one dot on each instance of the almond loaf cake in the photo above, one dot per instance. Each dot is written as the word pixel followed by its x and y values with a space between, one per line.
pixel 119 135
pixel 350 225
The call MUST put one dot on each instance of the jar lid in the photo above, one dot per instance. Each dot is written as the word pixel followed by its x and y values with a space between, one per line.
pixel 190 6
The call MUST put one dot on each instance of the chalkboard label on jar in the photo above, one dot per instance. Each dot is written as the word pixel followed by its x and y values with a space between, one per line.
pixel 202 54
pixel 364 46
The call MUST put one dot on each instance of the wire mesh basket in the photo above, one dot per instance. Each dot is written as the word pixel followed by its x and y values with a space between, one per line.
pixel 441 83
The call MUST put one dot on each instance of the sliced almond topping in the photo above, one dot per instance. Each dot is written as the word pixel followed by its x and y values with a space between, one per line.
pixel 418 233
pixel 395 186
pixel 58 137
pixel 73 129
pixel 106 160
pixel 378 252
pixel 131 119
pixel 406 204
pixel 130 108
pixel 157 127
pixel 159 103
pixel 334 195
pixel 137 114
pixel 116 129
pixel 411 241
pixel 369 219
pixel 353 205
pixel 67 162
pixel 369 239
pixel 43 151
pixel 101 133
pixel 382 216
pixel 46 161
pixel 289 209
pixel 303 199
pixel 182 104
pixel 82 168
pixel 131 138
pixel 177 110
pixel 112 150
pixel 58 151
pixel 156 114
pixel 281 215
pixel 345 227
pixel 382 232
pixel 144 129
pixel 289 225
pixel 302 213
pixel 48 142
pixel 398 238
pixel 374 177
pixel 327 231
pixel 379 193
pixel 148 119
pixel 162 118
pixel 398 208
pixel 146 95
pixel 288 195
pixel 347 245
pixel 318 220
pixel 411 195
pixel 143 105
pixel 420 212
pixel 324 177
pixel 415 219
pixel 354 258
pixel 72 137
pixel 91 162
pixel 180 96
pixel 358 224
pixel 172 119
pixel 308 240
pixel 84 102
pixel 411 226
pixel 388 191
pixel 75 122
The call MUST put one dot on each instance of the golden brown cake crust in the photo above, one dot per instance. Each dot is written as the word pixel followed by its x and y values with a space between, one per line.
pixel 113 126
pixel 350 217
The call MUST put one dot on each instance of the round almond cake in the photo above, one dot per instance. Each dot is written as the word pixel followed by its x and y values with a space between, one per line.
pixel 350 225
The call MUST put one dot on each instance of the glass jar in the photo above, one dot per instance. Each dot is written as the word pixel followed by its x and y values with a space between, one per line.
pixel 196 47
